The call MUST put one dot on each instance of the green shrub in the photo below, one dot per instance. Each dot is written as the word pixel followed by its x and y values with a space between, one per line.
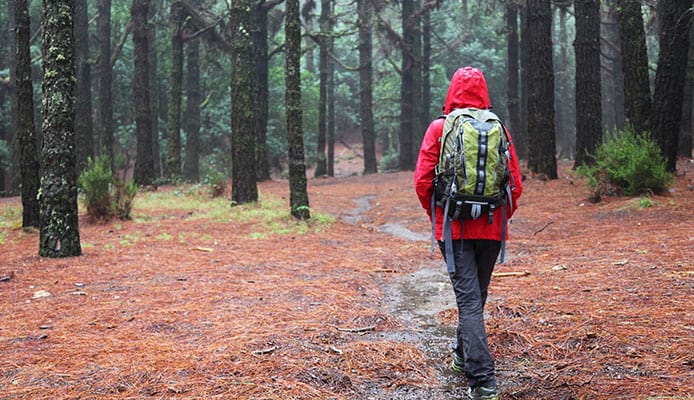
pixel 390 161
pixel 96 186
pixel 123 197
pixel 215 182
pixel 627 164
pixel 105 196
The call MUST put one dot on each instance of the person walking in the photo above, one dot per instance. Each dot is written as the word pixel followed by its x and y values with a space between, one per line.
pixel 476 247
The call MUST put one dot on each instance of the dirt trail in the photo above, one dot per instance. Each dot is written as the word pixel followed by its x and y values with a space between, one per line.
pixel 178 305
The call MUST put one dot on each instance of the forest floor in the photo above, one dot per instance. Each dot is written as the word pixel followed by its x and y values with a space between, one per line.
pixel 184 302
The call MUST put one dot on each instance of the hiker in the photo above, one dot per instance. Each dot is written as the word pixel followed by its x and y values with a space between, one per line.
pixel 476 243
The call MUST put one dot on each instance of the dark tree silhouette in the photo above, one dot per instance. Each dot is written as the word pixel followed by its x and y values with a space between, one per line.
pixel 637 92
pixel 540 82
pixel 588 104
pixel 144 162
pixel 674 20
pixel 368 130
pixel 25 129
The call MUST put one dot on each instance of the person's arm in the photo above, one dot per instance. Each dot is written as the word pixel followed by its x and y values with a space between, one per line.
pixel 426 164
pixel 514 167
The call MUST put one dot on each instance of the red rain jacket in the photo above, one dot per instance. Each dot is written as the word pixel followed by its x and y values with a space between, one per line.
pixel 468 88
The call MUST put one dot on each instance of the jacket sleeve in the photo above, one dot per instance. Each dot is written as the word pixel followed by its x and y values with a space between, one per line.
pixel 426 164
pixel 517 182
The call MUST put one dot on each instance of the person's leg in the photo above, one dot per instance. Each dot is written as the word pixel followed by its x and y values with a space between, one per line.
pixel 471 333
pixel 486 253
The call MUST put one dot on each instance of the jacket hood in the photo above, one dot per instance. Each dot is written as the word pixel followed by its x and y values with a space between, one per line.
pixel 468 88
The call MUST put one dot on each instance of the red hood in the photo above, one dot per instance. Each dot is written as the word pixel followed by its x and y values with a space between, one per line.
pixel 468 88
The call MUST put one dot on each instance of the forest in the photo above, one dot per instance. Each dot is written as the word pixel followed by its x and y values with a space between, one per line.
pixel 310 107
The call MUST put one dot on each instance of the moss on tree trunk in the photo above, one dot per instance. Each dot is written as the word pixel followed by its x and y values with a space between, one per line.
pixel 59 233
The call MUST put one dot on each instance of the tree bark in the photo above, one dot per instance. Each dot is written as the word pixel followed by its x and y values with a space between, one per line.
pixel 105 68
pixel 637 92
pixel 244 188
pixel 368 130
pixel 298 198
pixel 565 104
pixel 173 150
pixel 407 81
pixel 84 127
pixel 27 139
pixel 323 60
pixel 144 161
pixel 513 73
pixel 588 90
pixel 674 20
pixel 541 136
pixel 685 143
pixel 59 232
pixel 154 89
pixel 191 166
pixel 262 91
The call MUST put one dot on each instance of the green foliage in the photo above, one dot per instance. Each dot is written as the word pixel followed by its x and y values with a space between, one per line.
pixel 96 181
pixel 390 161
pixel 123 197
pixel 105 196
pixel 216 182
pixel 628 164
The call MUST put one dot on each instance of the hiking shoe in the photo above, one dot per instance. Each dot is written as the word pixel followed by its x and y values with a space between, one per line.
pixel 457 365
pixel 483 393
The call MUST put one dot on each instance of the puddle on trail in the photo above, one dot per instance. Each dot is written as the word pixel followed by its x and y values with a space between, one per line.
pixel 416 299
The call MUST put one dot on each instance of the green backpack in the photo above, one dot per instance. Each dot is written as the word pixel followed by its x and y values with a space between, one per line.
pixel 472 175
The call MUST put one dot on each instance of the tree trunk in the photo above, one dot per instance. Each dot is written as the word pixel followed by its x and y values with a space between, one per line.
pixel 192 120
pixel 83 125
pixel 612 77
pixel 154 89
pixel 637 92
pixel 323 60
pixel 25 129
pixel 173 150
pixel 105 119
pixel 417 110
pixel 674 20
pixel 59 232
pixel 588 90
pixel 426 73
pixel 512 71
pixel 685 143
pixel 564 103
pixel 8 38
pixel 521 137
pixel 298 198
pixel 244 188
pixel 368 130
pixel 144 162
pixel 541 137
pixel 262 91
pixel 407 81
pixel 330 129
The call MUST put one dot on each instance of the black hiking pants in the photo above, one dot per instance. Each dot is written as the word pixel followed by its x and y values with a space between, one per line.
pixel 474 263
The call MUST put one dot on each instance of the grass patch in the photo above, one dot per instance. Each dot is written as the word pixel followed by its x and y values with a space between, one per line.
pixel 269 216
pixel 10 217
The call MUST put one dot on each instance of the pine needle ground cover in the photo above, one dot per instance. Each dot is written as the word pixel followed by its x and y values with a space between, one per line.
pixel 194 300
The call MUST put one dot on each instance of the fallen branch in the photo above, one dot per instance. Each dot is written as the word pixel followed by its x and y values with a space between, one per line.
pixel 507 274
pixel 356 330
pixel 265 351
pixel 203 249
pixel 384 270
pixel 543 228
